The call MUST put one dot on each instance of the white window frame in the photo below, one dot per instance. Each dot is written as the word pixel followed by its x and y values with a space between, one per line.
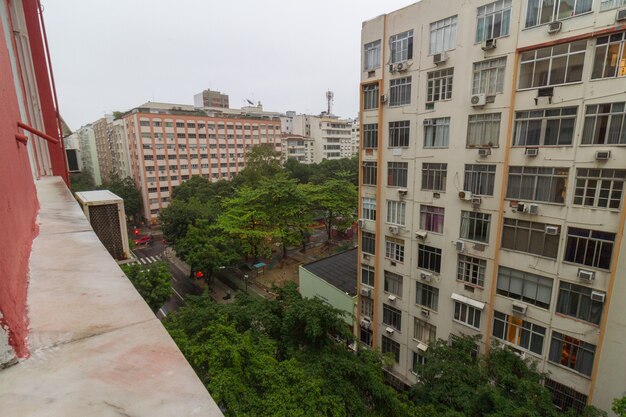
pixel 371 55
pixel 401 47
pixel 427 294
pixel 520 331
pixel 488 15
pixel 400 91
pixel 370 96
pixel 611 4
pixel 396 212
pixel 368 206
pixel 600 68
pixel 480 179
pixel 437 134
pixel 532 239
pixel 529 288
pixel 560 121
pixel 471 270
pixel 399 134
pixel 428 215
pixel 607 117
pixel 467 315
pixel 439 85
pixel 488 76
pixel 443 35
pixel 423 331
pixel 606 186
pixel 394 249
pixel 543 76
pixel 546 184
pixel 555 14
pixel 472 222
pixel 483 130
pixel 393 283
pixel 434 176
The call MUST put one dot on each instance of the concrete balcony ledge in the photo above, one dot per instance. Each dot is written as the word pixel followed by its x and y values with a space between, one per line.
pixel 96 348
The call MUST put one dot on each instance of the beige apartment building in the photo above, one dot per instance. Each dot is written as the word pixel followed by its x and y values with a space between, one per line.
pixel 492 181
pixel 169 143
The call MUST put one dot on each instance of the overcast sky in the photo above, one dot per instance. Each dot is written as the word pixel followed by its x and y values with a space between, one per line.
pixel 117 54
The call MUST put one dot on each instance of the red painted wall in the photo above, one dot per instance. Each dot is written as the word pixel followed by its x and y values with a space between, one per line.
pixel 18 210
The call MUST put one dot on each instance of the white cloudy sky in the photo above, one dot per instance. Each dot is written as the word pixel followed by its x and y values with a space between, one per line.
pixel 117 54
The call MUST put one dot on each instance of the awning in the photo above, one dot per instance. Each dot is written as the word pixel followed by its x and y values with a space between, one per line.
pixel 469 301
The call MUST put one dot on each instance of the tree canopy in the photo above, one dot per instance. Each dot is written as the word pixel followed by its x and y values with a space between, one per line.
pixel 153 283
pixel 125 188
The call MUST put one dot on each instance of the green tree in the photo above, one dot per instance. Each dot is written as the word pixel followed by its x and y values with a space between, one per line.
pixel 336 200
pixel 262 161
pixel 197 187
pixel 299 171
pixel 152 283
pixel 176 218
pixel 345 168
pixel 619 406
pixel 81 181
pixel 125 188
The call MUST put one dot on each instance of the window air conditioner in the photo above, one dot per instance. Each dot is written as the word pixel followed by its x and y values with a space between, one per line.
pixel 425 313
pixel 519 308
pixel 603 155
pixel 426 277
pixel 531 151
pixel 402 192
pixel 459 245
pixel 392 68
pixel 361 223
pixel 598 296
pixel 394 230
pixel 366 324
pixel 555 27
pixel 520 207
pixel 484 152
pixel 586 275
pixel 383 98
pixel 488 44
pixel 465 195
pixel 389 330
pixel 476 201
pixel 478 100
pixel 532 208
pixel 552 230
pixel 392 298
pixel 440 58
pixel 421 234
pixel 366 292
pixel 621 15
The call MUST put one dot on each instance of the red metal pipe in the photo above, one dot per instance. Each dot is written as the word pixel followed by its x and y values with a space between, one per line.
pixel 21 138
pixel 38 133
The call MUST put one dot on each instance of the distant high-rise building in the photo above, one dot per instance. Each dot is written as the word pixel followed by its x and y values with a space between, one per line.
pixel 102 132
pixel 210 98
pixel 89 153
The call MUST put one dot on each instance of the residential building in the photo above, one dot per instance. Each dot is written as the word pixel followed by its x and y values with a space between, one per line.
pixel 209 98
pixel 492 182
pixel 89 153
pixel 76 338
pixel 330 136
pixel 169 143
pixel 333 280
pixel 300 148
pixel 101 131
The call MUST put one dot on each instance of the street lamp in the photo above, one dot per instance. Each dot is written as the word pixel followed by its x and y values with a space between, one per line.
pixel 245 280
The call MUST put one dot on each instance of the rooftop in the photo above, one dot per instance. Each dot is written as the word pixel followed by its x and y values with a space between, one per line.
pixel 339 270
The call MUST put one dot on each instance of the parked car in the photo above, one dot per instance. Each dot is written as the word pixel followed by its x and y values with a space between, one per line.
pixel 145 240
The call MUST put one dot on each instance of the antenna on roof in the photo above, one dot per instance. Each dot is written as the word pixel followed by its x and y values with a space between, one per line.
pixel 250 102
pixel 329 99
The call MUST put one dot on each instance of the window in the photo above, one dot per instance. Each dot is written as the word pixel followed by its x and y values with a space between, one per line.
pixel 369 173
pixel 367 275
pixel 367 306
pixel 529 288
pixel 366 336
pixel 493 20
pixel 396 212
pixel 370 96
pixel 564 397
pixel 589 247
pixel 440 85
pixel 400 91
pixel 390 346
pixel 609 60
pixel 475 226
pixel 393 283
pixel 418 360
pixel 530 237
pixel 545 11
pixel 368 205
pixel 489 76
pixel 436 132
pixel 429 258
pixel 479 179
pixel 392 317
pixel 550 127
pixel 399 134
pixel 471 270
pixel 467 314
pixel 572 353
pixel 518 332
pixel 368 243
pixel 397 174
pixel 483 130
pixel 599 188
pixel 434 176
pixel 431 218
pixel 424 332
pixel 605 125
pixel 554 65
pixel 371 55
pixel 427 296
pixel 401 47
pixel 537 184
pixel 575 301
pixel 443 35
pixel 394 249
pixel 370 136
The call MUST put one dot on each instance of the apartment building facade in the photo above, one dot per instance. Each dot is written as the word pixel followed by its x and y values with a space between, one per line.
pixel 89 153
pixel 169 143
pixel 492 178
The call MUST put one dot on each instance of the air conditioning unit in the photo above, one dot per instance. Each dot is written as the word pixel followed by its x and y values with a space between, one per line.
pixel 478 100
pixel 555 27
pixel 426 277
pixel 531 151
pixel 465 195
pixel 586 275
pixel 598 296
pixel 383 98
pixel 392 298
pixel 519 308
pixel 440 58
pixel 621 15
pixel 484 152
pixel 366 324
pixel 552 230
pixel 488 44
pixel 429 122
pixel 532 208
pixel 402 192
pixel 603 155
pixel 392 68
pixel 476 201
pixel 389 330
pixel 402 66
pixel 365 292
pixel 459 245
pixel 394 230
pixel 421 234
pixel 425 313
pixel 521 207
